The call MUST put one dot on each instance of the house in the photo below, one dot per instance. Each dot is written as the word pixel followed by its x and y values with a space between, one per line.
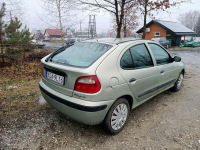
pixel 171 30
pixel 52 33
pixel 82 34
pixel 39 35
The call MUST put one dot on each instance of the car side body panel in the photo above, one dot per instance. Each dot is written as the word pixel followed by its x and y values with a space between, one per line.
pixel 112 82
pixel 145 78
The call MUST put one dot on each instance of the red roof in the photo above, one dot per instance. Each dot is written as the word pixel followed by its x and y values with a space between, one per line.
pixel 53 31
pixel 37 35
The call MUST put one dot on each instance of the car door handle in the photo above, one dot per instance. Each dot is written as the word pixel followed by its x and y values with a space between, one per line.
pixel 162 71
pixel 132 80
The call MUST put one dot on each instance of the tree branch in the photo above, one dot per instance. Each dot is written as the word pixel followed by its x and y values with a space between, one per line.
pixel 97 5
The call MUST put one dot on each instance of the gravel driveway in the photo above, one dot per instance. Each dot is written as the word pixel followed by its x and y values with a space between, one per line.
pixel 168 121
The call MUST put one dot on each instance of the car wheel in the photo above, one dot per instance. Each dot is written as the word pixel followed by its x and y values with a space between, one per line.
pixel 179 82
pixel 117 116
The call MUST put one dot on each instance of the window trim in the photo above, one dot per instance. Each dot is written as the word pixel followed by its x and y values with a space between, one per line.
pixel 164 50
pixel 155 33
pixel 131 59
pixel 135 68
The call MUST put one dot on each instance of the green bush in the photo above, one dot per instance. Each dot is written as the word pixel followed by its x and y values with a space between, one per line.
pixel 11 51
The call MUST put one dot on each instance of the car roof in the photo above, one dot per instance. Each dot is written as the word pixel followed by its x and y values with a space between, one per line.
pixel 114 41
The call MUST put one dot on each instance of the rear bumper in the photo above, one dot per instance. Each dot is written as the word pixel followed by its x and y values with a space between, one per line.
pixel 87 112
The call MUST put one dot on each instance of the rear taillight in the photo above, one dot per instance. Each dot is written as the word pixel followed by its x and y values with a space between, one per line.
pixel 87 84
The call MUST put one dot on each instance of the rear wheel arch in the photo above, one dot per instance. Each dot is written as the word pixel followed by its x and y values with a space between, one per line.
pixel 129 99
pixel 121 117
pixel 183 71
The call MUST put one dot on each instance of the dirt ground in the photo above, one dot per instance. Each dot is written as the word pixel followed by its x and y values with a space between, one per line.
pixel 168 121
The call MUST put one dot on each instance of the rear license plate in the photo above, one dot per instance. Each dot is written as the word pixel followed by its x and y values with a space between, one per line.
pixel 54 77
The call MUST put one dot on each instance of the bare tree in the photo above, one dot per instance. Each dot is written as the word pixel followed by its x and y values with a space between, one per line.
pixel 189 19
pixel 130 20
pixel 58 4
pixel 147 7
pixel 14 8
pixel 115 7
pixel 58 11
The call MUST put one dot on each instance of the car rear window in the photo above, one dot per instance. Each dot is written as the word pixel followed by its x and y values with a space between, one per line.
pixel 81 54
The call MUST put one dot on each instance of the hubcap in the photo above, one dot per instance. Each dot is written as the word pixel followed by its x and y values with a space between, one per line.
pixel 179 82
pixel 119 116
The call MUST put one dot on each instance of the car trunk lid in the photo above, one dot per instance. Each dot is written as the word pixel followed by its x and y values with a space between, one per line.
pixel 69 75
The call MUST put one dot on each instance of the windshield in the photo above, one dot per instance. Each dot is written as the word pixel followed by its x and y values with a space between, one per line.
pixel 81 54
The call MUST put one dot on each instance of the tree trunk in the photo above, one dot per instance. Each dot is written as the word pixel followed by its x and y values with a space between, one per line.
pixel 125 27
pixel 1 47
pixel 118 32
pixel 2 57
pixel 119 18
pixel 60 21
pixel 124 31
pixel 145 20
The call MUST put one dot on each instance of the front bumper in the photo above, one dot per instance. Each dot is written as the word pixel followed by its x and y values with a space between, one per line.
pixel 87 112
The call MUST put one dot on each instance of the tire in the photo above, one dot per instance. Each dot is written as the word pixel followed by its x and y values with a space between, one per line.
pixel 178 84
pixel 117 119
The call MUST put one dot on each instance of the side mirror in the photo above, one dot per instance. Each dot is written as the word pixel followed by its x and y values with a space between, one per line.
pixel 177 59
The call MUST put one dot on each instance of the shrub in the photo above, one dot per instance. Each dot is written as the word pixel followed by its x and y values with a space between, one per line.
pixel 36 56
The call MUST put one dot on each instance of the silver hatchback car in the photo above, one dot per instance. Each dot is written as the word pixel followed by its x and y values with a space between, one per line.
pixel 100 81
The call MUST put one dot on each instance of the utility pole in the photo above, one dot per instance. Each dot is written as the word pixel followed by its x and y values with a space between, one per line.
pixel 89 28
pixel 80 29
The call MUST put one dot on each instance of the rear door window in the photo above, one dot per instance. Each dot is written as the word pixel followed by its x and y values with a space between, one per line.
pixel 136 57
pixel 141 56
pixel 126 61
pixel 161 56
pixel 81 54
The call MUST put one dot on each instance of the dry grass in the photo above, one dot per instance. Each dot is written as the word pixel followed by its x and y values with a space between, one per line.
pixel 15 101
pixel 41 50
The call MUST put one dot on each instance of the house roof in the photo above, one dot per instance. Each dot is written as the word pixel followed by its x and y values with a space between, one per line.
pixel 53 31
pixel 175 27
pixel 37 35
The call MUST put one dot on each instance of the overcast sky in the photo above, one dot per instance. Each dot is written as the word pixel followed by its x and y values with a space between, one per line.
pixel 34 11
